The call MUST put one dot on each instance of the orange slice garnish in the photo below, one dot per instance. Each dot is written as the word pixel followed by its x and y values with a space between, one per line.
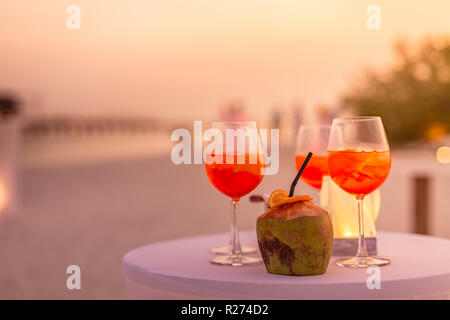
pixel 303 197
pixel 279 197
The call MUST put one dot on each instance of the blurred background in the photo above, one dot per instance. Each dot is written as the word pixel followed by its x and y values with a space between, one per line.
pixel 86 118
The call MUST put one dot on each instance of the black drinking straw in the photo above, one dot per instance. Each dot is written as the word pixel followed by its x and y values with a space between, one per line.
pixel 299 173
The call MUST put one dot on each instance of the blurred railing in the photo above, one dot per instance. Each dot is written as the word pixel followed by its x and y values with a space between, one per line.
pixel 69 126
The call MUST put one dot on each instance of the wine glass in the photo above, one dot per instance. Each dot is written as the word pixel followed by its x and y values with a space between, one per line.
pixel 313 138
pixel 235 166
pixel 359 161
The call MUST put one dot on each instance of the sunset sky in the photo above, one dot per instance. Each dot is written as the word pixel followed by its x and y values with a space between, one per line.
pixel 182 59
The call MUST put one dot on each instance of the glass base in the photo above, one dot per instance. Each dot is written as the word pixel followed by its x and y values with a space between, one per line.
pixel 236 260
pixel 226 249
pixel 348 247
pixel 362 262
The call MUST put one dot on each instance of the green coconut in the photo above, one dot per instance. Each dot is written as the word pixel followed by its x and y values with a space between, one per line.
pixel 295 239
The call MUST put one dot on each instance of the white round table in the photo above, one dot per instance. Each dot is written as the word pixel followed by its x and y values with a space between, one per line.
pixel 180 269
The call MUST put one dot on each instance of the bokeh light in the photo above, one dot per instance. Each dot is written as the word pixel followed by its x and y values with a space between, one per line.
pixel 443 154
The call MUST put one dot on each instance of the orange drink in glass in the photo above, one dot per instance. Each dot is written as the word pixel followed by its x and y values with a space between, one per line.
pixel 235 180
pixel 315 170
pixel 313 138
pixel 359 172
pixel 235 170
pixel 359 162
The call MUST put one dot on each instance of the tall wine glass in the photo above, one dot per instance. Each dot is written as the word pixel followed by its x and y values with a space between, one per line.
pixel 235 167
pixel 313 138
pixel 359 161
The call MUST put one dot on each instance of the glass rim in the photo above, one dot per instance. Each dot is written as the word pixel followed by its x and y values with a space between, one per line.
pixel 356 118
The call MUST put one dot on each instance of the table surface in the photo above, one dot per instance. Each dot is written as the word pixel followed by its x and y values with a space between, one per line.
pixel 420 268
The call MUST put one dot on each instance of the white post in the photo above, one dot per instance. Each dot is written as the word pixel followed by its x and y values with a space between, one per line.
pixel 10 137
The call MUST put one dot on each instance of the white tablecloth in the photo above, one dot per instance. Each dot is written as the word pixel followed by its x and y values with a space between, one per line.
pixel 180 269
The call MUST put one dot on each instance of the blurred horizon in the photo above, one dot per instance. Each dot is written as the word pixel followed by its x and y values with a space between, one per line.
pixel 178 60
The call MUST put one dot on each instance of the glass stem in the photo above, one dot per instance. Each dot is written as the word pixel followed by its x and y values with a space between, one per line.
pixel 236 245
pixel 232 225
pixel 362 250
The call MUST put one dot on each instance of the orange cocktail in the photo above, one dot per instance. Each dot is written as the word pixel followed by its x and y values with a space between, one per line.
pixel 235 165
pixel 315 170
pixel 359 172
pixel 238 178
pixel 359 162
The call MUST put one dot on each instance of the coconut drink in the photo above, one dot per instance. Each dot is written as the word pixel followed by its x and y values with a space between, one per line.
pixel 295 236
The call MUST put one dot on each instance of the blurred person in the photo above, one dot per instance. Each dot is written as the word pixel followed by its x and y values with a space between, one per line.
pixel 233 111
pixel 9 105
pixel 276 117
pixel 325 114
pixel 297 114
